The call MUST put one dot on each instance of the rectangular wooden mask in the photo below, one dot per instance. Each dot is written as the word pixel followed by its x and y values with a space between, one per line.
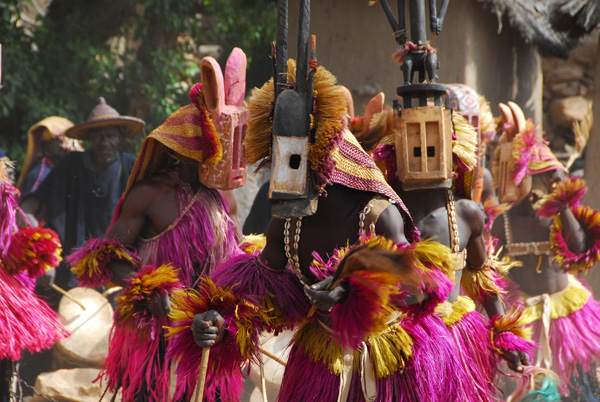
pixel 424 148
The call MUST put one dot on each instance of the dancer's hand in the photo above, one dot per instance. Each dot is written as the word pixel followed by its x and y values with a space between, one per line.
pixel 324 299
pixel 208 328
pixel 516 359
pixel 46 280
pixel 160 305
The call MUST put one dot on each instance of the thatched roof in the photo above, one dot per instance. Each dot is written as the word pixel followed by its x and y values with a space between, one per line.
pixel 554 25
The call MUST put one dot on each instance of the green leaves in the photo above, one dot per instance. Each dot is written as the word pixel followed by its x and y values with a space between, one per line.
pixel 141 56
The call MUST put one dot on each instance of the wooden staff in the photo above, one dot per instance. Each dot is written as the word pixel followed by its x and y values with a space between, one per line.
pixel 263 382
pixel 202 376
pixel 68 296
pixel 272 356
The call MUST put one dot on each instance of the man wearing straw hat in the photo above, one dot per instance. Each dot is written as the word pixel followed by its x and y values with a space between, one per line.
pixel 79 196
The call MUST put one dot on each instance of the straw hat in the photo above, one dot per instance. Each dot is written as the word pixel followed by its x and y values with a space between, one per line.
pixel 103 115
pixel 45 130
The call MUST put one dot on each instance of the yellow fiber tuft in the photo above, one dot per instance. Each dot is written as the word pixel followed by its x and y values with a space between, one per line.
pixel 253 242
pixel 390 350
pixel 331 110
pixel 465 145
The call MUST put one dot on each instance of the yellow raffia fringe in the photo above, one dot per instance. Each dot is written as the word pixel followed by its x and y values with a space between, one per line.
pixel 515 322
pixel 331 109
pixel 273 314
pixel 317 343
pixel 422 255
pixel 590 220
pixel 581 134
pixel 90 264
pixel 144 285
pixel 5 165
pixel 187 303
pixel 435 254
pixel 253 242
pixel 564 303
pixel 465 145
pixel 260 123
pixel 389 350
pixel 492 207
pixel 476 281
pixel 370 242
pixel 452 313
pixel 487 122
pixel 495 168
pixel 562 191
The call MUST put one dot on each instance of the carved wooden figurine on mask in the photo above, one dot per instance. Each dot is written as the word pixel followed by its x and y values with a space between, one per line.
pixel 416 53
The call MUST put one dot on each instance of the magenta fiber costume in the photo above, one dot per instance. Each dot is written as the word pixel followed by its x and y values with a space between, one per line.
pixel 366 345
pixel 200 238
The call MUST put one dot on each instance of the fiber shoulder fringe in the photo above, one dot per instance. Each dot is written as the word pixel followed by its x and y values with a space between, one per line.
pixel 253 242
pixel 481 282
pixel 243 322
pixel 150 282
pixel 90 262
pixel 510 332
pixel 135 358
pixel 35 250
pixel 577 262
pixel 277 291
pixel 381 273
pixel 565 194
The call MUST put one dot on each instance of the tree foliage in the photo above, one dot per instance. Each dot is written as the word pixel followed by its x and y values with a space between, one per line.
pixel 140 55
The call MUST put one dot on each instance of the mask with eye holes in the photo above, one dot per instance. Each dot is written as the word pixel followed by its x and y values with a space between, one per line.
pixel 424 148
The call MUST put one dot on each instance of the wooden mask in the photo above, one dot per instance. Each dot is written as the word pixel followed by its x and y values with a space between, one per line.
pixel 424 148
pixel 224 99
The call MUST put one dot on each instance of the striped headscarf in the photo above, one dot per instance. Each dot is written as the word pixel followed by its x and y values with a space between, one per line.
pixel 189 132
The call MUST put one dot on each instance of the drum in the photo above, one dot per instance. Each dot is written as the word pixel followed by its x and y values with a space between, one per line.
pixel 273 370
pixel 90 329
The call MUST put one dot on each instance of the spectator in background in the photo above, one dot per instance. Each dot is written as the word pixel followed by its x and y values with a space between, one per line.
pixel 79 196
pixel 47 138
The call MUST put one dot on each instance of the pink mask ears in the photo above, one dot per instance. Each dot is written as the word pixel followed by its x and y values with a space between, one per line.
pixel 235 78
pixel 224 98
pixel 213 87
pixel 349 102
pixel 374 106
pixel 229 89
pixel 519 116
